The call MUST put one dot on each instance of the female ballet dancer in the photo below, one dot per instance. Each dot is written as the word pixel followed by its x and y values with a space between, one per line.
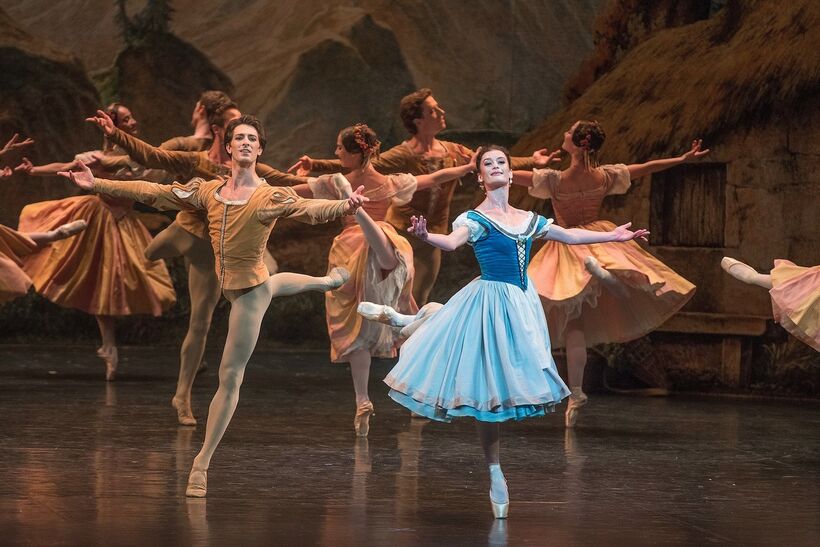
pixel 597 294
pixel 379 259
pixel 486 353
pixel 103 272
pixel 795 294
pixel 242 211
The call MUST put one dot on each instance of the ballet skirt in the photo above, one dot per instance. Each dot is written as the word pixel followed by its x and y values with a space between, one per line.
pixel 569 292
pixel 349 331
pixel 103 269
pixel 486 353
pixel 14 281
pixel 795 295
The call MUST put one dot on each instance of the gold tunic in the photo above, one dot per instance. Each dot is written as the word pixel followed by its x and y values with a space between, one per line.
pixel 238 230
pixel 187 165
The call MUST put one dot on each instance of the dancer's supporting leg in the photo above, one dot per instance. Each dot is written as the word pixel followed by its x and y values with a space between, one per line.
pixel 744 272
pixel 490 436
pixel 385 255
pixel 203 290
pixel 248 307
pixel 576 348
pixel 108 349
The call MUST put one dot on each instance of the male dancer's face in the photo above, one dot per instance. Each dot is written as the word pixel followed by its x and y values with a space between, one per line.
pixel 245 147
pixel 432 117
pixel 127 122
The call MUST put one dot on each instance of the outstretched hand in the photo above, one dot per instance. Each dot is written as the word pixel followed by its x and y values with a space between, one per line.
pixel 5 173
pixel 303 166
pixel 623 233
pixel 696 151
pixel 15 143
pixel 418 227
pixel 104 122
pixel 25 166
pixel 543 157
pixel 357 199
pixel 83 178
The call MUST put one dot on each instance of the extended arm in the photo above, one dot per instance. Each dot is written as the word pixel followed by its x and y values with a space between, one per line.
pixel 285 203
pixel 445 175
pixel 638 170
pixel 160 196
pixel 579 236
pixel 448 242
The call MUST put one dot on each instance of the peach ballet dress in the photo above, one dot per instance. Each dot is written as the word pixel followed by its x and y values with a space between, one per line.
pixel 795 295
pixel 569 292
pixel 14 281
pixel 348 330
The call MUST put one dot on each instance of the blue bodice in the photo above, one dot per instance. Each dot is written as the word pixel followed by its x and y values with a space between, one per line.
pixel 504 256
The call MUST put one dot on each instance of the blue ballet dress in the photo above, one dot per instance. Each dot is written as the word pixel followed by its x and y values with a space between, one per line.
pixel 486 352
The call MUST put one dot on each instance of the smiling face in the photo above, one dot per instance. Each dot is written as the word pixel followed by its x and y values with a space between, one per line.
pixel 432 118
pixel 126 121
pixel 244 146
pixel 494 169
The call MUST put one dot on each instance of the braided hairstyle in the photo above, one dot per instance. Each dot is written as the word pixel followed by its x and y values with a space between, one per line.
pixel 590 137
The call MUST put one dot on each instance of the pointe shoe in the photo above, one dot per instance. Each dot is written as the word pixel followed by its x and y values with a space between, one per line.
pixel 338 277
pixel 71 228
pixel 381 313
pixel 111 358
pixel 613 284
pixel 197 483
pixel 737 269
pixel 184 414
pixel 501 507
pixel 573 407
pixel 361 422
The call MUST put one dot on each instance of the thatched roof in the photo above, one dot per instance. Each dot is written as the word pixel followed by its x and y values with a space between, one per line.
pixel 700 80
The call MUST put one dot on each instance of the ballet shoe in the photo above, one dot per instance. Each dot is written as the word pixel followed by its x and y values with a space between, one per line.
pixel 613 284
pixel 184 414
pixel 197 483
pixel 361 422
pixel 338 276
pixel 737 269
pixel 111 358
pixel 501 505
pixel 71 228
pixel 381 313
pixel 573 407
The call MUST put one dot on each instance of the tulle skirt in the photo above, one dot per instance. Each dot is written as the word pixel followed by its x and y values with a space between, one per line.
pixel 347 329
pixel 795 297
pixel 485 354
pixel 102 270
pixel 569 292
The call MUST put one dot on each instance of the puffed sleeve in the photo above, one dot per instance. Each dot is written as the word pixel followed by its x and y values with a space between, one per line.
pixel 401 187
pixel 616 178
pixel 324 188
pixel 475 229
pixel 284 202
pixel 543 227
pixel 544 183
pixel 161 196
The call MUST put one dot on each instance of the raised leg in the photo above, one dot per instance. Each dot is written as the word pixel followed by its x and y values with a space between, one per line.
pixel 609 281
pixel 62 232
pixel 744 272
pixel 378 242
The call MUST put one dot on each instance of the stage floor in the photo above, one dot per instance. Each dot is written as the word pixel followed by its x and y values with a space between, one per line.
pixel 89 463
